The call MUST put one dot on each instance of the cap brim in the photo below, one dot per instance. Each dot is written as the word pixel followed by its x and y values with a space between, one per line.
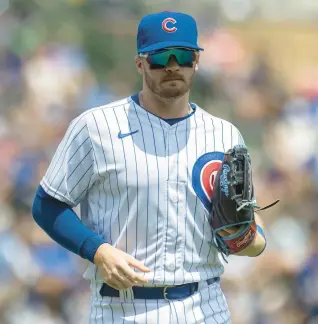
pixel 162 45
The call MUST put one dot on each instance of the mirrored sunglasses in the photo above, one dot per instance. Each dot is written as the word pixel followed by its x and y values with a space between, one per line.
pixel 160 59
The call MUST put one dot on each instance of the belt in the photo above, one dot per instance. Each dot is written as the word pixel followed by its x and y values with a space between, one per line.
pixel 168 292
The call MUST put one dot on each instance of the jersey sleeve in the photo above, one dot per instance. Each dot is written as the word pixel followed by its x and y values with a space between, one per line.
pixel 71 171
pixel 237 137
pixel 231 136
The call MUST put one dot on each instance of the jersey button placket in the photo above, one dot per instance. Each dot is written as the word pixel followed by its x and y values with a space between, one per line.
pixel 171 197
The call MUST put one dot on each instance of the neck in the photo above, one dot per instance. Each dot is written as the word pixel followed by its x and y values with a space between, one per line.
pixel 165 108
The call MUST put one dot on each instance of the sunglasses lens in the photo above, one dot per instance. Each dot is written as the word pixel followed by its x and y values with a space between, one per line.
pixel 160 59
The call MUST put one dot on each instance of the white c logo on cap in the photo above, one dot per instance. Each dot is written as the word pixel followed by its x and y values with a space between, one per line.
pixel 166 28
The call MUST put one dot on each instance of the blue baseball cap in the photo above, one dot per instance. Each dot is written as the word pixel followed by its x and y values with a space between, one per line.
pixel 167 29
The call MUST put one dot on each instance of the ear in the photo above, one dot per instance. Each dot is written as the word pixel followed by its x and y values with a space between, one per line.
pixel 139 64
pixel 197 58
pixel 196 67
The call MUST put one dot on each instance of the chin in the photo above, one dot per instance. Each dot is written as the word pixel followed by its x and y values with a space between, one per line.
pixel 173 92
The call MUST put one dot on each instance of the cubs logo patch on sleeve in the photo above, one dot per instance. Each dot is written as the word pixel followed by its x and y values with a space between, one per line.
pixel 204 173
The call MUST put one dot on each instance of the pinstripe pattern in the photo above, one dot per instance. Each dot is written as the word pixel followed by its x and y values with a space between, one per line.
pixel 158 190
pixel 137 193
pixel 186 198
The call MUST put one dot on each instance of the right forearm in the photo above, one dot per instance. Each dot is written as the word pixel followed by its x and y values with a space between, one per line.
pixel 62 224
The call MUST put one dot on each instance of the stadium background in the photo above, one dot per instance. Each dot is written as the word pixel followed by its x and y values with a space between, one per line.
pixel 259 70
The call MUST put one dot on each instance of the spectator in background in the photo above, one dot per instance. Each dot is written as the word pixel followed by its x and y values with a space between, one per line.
pixel 306 280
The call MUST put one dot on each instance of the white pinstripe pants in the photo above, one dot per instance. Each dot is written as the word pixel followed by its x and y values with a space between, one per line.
pixel 206 306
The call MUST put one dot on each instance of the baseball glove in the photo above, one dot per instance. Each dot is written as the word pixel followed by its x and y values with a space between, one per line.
pixel 233 202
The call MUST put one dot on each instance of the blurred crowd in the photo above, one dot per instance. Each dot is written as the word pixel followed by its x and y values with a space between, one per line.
pixel 55 64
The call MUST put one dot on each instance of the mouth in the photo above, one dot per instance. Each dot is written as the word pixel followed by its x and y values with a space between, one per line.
pixel 175 79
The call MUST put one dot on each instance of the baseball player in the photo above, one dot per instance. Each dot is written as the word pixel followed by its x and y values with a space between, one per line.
pixel 142 170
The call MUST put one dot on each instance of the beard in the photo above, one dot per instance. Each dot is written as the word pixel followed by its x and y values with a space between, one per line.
pixel 172 86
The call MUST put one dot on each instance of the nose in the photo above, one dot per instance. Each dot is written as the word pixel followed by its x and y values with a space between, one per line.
pixel 172 64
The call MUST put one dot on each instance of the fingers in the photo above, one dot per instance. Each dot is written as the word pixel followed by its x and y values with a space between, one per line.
pixel 121 276
pixel 118 279
pixel 137 264
pixel 116 284
pixel 124 281
pixel 132 275
pixel 115 265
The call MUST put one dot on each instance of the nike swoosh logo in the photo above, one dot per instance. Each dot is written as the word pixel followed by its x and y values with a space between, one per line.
pixel 121 135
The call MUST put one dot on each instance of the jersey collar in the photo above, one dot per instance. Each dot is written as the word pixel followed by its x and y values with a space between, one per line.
pixel 170 121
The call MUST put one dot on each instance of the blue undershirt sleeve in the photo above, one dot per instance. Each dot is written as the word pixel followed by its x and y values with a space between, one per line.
pixel 62 224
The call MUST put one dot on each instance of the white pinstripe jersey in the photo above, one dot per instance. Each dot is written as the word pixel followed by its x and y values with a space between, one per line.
pixel 138 191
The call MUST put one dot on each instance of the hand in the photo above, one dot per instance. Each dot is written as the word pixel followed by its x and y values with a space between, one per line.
pixel 115 266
